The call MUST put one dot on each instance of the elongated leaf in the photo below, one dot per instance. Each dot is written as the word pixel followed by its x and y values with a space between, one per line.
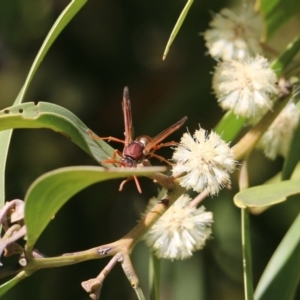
pixel 276 13
pixel 62 21
pixel 4 145
pixel 229 126
pixel 274 180
pixel 247 255
pixel 293 157
pixel 64 18
pixel 280 63
pixel 177 27
pixel 57 118
pixel 52 190
pixel 281 276
pixel 154 276
pixel 269 194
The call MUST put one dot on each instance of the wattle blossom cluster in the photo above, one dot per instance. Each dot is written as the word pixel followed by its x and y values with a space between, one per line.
pixel 246 87
pixel 234 34
pixel 182 230
pixel 277 139
pixel 203 161
pixel 243 80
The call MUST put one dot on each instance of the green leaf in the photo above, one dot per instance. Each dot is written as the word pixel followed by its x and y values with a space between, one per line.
pixel 298 105
pixel 229 126
pixel 280 63
pixel 57 118
pixel 61 22
pixel 177 27
pixel 276 13
pixel 4 145
pixel 52 190
pixel 64 18
pixel 293 157
pixel 281 276
pixel 265 195
pixel 154 276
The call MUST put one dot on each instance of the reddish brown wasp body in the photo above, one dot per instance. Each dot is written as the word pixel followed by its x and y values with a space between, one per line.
pixel 143 147
pixel 133 154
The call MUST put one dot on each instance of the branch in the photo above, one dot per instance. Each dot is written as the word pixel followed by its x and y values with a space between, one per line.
pixel 247 143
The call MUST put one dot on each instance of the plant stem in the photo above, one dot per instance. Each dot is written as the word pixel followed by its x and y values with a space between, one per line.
pixel 123 245
pixel 139 293
pixel 246 144
pixel 247 258
pixel 154 275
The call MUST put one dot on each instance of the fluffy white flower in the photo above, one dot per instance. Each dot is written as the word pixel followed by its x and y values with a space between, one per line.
pixel 234 35
pixel 277 139
pixel 180 231
pixel 246 87
pixel 206 159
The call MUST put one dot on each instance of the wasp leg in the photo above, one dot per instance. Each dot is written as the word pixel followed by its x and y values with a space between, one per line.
pixel 160 158
pixel 109 138
pixel 113 159
pixel 136 183
pixel 110 161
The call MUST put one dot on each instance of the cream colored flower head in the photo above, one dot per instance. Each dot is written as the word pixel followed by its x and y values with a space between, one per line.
pixel 234 34
pixel 246 87
pixel 180 231
pixel 205 160
pixel 277 139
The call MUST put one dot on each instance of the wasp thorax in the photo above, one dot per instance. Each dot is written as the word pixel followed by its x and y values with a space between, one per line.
pixel 144 139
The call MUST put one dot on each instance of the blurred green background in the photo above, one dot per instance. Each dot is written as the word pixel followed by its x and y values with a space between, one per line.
pixel 110 44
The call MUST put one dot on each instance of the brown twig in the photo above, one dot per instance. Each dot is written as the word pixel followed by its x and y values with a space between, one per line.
pixel 93 286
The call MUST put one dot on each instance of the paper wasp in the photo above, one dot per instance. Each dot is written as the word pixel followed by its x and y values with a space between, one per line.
pixel 137 150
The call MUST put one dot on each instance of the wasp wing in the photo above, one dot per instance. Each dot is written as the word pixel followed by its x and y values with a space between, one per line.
pixel 161 136
pixel 127 117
